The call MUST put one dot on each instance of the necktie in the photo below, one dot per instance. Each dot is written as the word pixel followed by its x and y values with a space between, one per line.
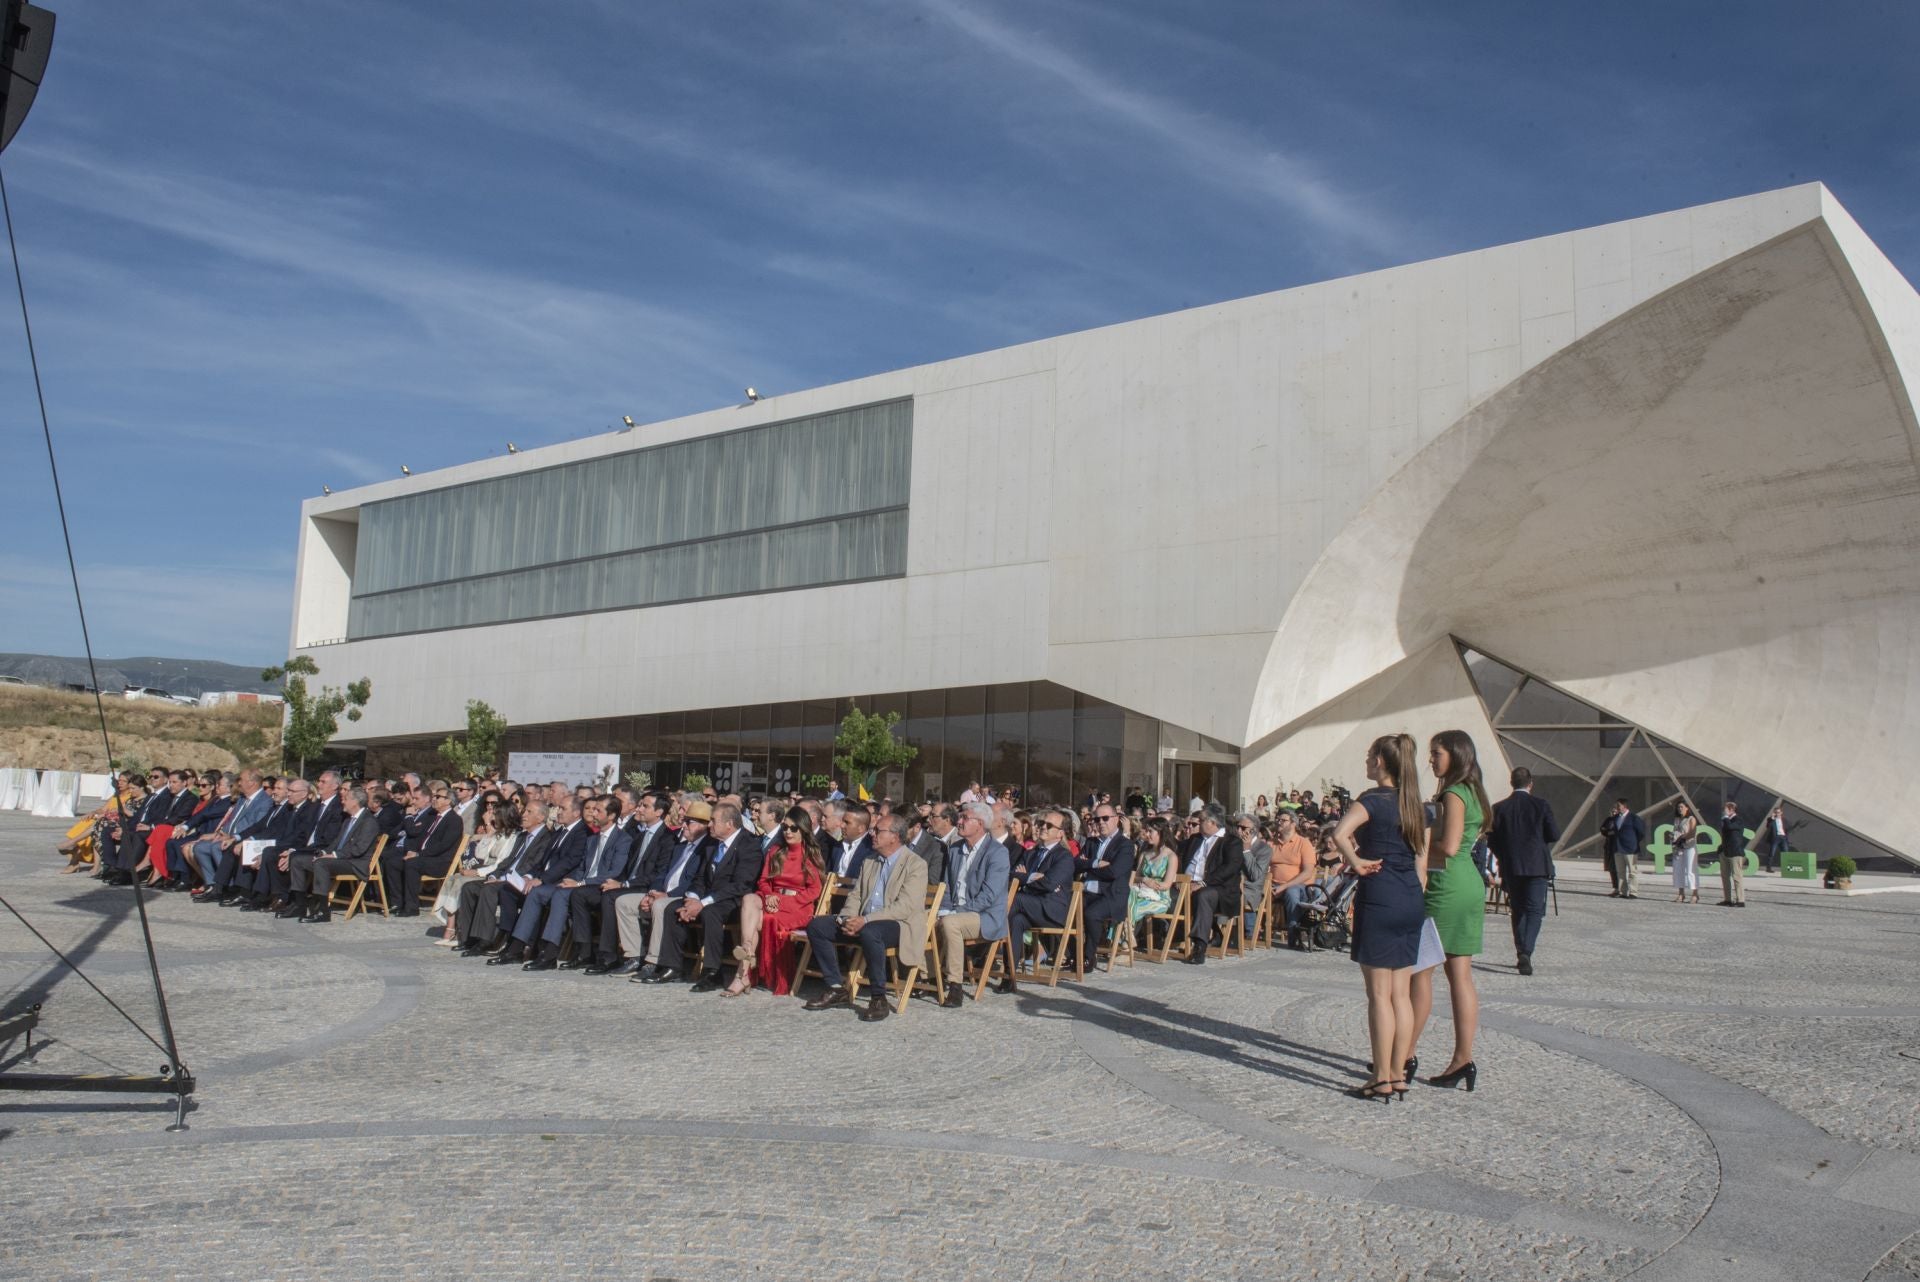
pixel 351 821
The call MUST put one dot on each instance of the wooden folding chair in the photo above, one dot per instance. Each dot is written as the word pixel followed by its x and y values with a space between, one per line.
pixel 996 951
pixel 1177 920
pixel 902 986
pixel 1263 919
pixel 1119 940
pixel 1233 934
pixel 1063 936
pixel 430 884
pixel 359 885
pixel 834 888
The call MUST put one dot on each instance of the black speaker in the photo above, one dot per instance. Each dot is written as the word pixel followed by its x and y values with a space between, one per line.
pixel 26 38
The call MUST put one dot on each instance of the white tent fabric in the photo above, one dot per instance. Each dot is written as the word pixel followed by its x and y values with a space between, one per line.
pixel 58 793
pixel 97 787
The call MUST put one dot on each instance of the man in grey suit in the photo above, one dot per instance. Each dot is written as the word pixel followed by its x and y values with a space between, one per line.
pixel 975 906
pixel 1257 855
pixel 481 919
pixel 313 872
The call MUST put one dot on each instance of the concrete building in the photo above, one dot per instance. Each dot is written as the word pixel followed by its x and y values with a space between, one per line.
pixel 1664 468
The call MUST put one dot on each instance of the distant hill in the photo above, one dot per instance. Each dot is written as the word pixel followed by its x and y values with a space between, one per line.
pixel 175 676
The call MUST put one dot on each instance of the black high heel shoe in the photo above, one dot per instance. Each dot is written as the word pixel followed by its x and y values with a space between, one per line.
pixel 1413 1067
pixel 1469 1073
pixel 1371 1091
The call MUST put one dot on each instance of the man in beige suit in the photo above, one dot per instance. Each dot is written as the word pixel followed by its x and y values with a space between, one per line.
pixel 887 909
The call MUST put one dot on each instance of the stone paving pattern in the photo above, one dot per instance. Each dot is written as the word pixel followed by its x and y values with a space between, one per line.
pixel 1680 1092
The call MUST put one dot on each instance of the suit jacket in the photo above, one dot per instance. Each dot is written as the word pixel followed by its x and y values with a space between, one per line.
pixel 676 887
pixel 322 828
pixel 904 902
pixel 1115 879
pixel 179 809
pixel 250 813
pixel 525 856
pixel 440 837
pixel 1046 885
pixel 613 859
pixel 357 835
pixel 295 823
pixel 1733 835
pixel 985 891
pixel 1522 836
pixel 155 806
pixel 392 818
pixel 1226 864
pixel 646 856
pixel 933 852
pixel 861 854
pixel 208 817
pixel 1623 835
pixel 725 877
pixel 1257 859
pixel 563 857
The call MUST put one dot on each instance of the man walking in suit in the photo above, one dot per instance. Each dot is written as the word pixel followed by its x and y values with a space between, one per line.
pixel 1044 876
pixel 1733 857
pixel 480 919
pixel 887 909
pixel 1106 869
pixel 1624 833
pixel 350 856
pixel 1215 862
pixel 975 906
pixel 1521 839
pixel 1775 839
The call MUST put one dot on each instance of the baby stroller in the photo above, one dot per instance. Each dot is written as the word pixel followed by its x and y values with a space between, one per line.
pixel 1326 911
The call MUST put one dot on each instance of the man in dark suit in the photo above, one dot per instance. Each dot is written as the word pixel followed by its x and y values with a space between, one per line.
pixel 314 835
pixel 1045 878
pixel 930 845
pixel 1216 861
pixel 130 841
pixel 1733 857
pixel 1624 833
pixel 203 823
pixel 351 855
pixel 252 804
pixel 246 884
pixel 296 824
pixel 440 841
pixel 640 921
pixel 1521 839
pixel 590 914
pixel 727 874
pixel 481 920
pixel 565 853
pixel 546 908
pixel 847 846
pixel 1105 867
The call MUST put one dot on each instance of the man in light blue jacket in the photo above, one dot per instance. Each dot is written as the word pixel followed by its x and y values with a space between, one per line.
pixel 975 905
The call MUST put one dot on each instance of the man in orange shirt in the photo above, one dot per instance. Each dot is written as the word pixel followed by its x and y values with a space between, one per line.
pixel 1293 868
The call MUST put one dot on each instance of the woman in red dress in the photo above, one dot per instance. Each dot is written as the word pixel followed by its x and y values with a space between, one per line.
pixel 785 901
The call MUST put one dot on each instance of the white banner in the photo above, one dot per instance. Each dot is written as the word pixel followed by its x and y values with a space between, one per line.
pixel 17 787
pixel 601 769
pixel 58 793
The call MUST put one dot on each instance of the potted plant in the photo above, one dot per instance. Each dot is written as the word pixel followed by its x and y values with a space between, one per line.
pixel 1840 870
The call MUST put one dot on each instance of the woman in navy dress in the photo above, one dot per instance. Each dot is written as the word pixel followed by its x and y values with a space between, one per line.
pixel 1383 838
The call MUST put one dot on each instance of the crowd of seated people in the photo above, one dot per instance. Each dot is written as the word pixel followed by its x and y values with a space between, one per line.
pixel 652 884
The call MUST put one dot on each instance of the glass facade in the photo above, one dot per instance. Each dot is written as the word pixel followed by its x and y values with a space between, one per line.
pixel 1049 742
pixel 785 505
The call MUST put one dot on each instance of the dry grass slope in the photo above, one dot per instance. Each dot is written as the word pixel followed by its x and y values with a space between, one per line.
pixel 56 730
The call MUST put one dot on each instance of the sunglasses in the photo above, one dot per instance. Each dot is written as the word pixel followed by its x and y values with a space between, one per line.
pixel 786 827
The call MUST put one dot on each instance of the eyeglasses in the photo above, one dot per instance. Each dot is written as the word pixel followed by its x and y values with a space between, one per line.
pixel 443 796
pixel 1047 825
pixel 786 827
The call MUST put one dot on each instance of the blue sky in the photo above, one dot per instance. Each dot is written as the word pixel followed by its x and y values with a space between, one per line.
pixel 274 246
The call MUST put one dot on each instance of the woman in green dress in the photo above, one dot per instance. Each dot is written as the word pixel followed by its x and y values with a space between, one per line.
pixel 1456 900
pixel 1153 884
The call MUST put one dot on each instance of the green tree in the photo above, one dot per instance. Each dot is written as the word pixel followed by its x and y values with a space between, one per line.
pixel 695 782
pixel 313 719
pixel 480 747
pixel 865 746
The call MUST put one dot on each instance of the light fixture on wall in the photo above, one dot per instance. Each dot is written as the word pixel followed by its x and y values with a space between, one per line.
pixel 752 395
pixel 326 489
pixel 628 420
pixel 405 470
pixel 512 448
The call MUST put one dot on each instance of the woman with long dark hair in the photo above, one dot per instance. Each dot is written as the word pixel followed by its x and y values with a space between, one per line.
pixel 1383 838
pixel 1456 900
pixel 783 902
pixel 1686 854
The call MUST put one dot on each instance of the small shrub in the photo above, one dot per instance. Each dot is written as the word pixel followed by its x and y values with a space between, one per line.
pixel 1840 866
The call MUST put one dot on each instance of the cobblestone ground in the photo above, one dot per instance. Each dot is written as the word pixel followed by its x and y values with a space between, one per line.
pixel 1680 1092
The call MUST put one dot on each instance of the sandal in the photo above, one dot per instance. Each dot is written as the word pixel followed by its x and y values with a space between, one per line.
pixel 1371 1091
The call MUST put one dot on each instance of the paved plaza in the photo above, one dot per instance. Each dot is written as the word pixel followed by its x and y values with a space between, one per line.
pixel 1679 1093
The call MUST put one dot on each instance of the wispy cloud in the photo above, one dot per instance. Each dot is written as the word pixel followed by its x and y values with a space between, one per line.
pixel 1227 156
